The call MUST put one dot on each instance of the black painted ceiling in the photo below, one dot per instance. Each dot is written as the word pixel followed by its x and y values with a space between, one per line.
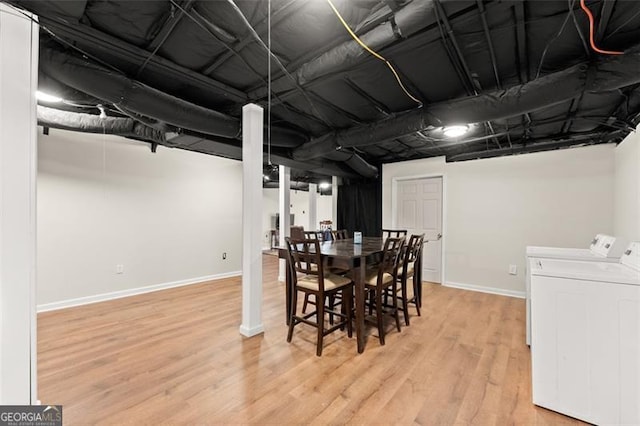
pixel 523 75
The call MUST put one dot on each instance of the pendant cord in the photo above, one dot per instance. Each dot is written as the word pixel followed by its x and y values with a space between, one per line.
pixel 269 83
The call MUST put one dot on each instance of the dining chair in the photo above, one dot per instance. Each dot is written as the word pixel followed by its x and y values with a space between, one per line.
pixel 407 268
pixel 296 232
pixel 382 277
pixel 395 233
pixel 333 300
pixel 340 234
pixel 301 255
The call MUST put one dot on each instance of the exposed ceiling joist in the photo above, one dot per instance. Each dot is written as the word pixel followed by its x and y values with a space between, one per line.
pixel 84 36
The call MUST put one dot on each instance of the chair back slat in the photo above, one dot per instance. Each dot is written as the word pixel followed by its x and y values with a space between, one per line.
pixel 414 248
pixel 313 235
pixel 394 233
pixel 340 234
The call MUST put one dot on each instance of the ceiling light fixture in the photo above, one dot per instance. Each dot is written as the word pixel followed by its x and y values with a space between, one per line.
pixel 325 185
pixel 455 131
pixel 45 97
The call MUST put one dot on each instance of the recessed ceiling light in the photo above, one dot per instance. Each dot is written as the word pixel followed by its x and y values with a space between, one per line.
pixel 455 131
pixel 325 185
pixel 45 97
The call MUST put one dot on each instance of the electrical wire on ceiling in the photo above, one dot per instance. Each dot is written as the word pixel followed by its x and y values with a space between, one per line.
pixel 591 25
pixel 372 52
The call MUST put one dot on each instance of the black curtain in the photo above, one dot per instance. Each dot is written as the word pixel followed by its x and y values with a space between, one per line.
pixel 360 208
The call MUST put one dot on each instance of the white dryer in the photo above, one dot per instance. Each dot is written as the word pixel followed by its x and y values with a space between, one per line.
pixel 585 351
pixel 603 248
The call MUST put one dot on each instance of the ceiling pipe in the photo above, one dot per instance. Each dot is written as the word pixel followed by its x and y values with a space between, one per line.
pixel 605 74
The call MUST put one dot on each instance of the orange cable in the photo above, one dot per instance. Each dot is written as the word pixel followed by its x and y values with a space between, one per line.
pixel 591 24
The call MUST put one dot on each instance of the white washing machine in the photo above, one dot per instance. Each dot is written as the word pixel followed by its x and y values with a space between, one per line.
pixel 585 351
pixel 603 248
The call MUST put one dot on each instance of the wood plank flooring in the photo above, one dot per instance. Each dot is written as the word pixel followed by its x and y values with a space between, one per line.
pixel 176 357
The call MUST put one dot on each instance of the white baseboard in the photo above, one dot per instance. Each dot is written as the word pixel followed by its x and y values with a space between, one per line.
pixel 251 331
pixel 483 289
pixel 131 292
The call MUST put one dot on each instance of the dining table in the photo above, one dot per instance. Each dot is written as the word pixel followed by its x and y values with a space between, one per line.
pixel 349 255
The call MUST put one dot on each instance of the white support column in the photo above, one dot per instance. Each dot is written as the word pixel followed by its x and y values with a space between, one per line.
pixel 252 128
pixel 335 181
pixel 18 171
pixel 313 209
pixel 285 211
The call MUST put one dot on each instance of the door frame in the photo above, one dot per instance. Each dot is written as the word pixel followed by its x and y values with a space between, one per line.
pixel 394 211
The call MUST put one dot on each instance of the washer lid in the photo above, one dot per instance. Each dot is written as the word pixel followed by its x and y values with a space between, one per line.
pixel 582 270
pixel 566 253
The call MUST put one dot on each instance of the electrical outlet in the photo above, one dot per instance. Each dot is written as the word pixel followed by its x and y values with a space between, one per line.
pixel 224 255
pixel 119 269
pixel 513 269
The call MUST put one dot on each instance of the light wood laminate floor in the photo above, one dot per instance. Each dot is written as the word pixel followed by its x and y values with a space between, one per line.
pixel 176 356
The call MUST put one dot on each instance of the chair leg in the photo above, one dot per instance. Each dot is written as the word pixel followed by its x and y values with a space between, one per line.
pixel 292 321
pixel 332 300
pixel 395 305
pixel 417 291
pixel 347 298
pixel 379 313
pixel 405 302
pixel 320 318
pixel 304 304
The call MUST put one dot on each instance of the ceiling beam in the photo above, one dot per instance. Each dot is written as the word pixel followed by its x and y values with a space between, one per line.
pixel 276 17
pixel 470 82
pixel 605 15
pixel 602 75
pixel 170 22
pixel 382 108
pixel 535 146
pixel 427 34
pixel 521 41
pixel 91 39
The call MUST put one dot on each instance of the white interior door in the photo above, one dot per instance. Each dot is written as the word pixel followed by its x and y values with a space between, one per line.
pixel 419 210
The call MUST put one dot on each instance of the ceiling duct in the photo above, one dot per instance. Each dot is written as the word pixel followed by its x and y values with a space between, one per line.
pixel 133 96
pixel 90 123
pixel 137 97
pixel 128 127
pixel 407 20
pixel 605 74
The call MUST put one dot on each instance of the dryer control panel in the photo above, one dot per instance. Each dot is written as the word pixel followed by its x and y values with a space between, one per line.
pixel 631 256
pixel 608 246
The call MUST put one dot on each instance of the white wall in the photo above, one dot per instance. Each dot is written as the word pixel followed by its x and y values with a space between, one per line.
pixel 105 200
pixel 627 188
pixel 496 207
pixel 299 207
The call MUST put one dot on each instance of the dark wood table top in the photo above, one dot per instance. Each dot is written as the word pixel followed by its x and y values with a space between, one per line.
pixel 348 249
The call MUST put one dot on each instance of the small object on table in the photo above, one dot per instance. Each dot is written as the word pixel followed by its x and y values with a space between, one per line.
pixel 357 237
